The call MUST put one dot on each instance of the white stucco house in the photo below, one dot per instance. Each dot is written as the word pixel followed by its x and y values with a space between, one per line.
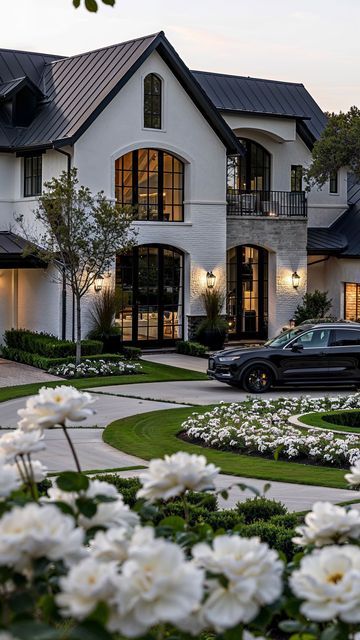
pixel 212 165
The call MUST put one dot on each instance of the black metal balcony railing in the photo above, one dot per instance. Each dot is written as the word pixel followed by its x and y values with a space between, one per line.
pixel 282 204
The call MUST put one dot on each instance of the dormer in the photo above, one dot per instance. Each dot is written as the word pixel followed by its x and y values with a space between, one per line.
pixel 19 99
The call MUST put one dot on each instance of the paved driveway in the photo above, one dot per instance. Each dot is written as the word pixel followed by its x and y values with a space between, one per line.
pixel 14 373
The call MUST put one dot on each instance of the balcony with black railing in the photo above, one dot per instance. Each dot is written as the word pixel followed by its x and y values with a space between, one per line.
pixel 270 204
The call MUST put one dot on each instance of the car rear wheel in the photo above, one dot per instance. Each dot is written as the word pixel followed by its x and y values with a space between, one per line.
pixel 257 379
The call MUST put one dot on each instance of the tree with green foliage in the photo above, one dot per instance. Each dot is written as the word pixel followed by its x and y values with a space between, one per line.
pixel 314 306
pixel 338 146
pixel 93 5
pixel 80 233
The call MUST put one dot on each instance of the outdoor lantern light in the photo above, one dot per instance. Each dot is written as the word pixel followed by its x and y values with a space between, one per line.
pixel 295 280
pixel 210 280
pixel 98 283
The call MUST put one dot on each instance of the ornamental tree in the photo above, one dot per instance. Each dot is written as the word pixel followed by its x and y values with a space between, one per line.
pixel 80 233
pixel 338 146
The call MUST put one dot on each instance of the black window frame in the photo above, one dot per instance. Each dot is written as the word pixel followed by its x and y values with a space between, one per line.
pixel 152 102
pixel 245 173
pixel 296 179
pixel 357 301
pixel 333 183
pixel 32 170
pixel 333 337
pixel 167 210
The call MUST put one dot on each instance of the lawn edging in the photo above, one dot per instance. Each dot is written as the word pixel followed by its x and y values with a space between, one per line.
pixel 317 420
pixel 154 434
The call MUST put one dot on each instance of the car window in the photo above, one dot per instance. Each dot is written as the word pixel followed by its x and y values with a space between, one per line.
pixel 345 337
pixel 284 337
pixel 313 339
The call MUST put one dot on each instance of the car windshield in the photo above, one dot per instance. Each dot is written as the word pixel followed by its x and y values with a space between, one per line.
pixel 284 337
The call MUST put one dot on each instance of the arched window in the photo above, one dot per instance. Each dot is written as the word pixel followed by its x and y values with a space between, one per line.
pixel 151 181
pixel 152 102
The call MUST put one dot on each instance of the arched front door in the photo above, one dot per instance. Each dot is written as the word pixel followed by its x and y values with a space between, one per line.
pixel 150 284
pixel 247 292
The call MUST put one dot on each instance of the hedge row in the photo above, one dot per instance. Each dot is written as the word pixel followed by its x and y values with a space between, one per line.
pixel 191 348
pixel 44 344
pixel 47 363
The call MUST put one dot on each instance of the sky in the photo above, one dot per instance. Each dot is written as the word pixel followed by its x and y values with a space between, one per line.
pixel 315 42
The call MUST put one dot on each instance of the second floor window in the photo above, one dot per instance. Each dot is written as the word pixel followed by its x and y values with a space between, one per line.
pixel 296 177
pixel 32 176
pixel 152 102
pixel 333 181
pixel 151 181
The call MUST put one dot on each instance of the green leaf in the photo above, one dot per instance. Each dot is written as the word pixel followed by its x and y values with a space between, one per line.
pixel 89 630
pixel 100 615
pixel 224 494
pixel 246 487
pixel 86 506
pixel 91 5
pixel 72 481
pixel 109 2
pixel 303 636
pixel 76 3
pixel 31 630
pixel 331 633
pixel 290 626
pixel 266 487
pixel 173 522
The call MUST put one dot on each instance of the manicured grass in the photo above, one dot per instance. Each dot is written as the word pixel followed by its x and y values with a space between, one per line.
pixel 319 420
pixel 152 372
pixel 152 435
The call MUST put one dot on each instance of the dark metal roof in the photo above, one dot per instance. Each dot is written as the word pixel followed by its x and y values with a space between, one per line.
pixel 78 88
pixel 18 64
pixel 325 241
pixel 263 97
pixel 7 88
pixel 12 249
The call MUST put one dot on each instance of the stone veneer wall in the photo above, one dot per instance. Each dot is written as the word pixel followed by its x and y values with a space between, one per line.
pixel 285 239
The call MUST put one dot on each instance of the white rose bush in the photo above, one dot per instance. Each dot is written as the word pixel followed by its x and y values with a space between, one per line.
pixel 77 563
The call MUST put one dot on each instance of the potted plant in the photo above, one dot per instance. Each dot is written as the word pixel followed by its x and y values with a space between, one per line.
pixel 102 320
pixel 212 330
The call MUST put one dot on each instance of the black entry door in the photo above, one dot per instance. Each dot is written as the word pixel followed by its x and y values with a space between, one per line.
pixel 247 292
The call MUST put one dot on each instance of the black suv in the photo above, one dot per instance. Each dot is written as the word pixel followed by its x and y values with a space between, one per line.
pixel 310 354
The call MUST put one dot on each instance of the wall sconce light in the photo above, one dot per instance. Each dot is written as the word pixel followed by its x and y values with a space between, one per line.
pixel 295 280
pixel 210 280
pixel 292 323
pixel 98 283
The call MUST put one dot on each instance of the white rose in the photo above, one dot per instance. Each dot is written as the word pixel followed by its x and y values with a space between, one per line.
pixel 175 474
pixel 110 545
pixel 39 470
pixel 9 478
pixel 328 581
pixel 253 573
pixel 87 584
pixel 52 407
pixel 353 478
pixel 156 585
pixel 326 524
pixel 21 442
pixel 35 531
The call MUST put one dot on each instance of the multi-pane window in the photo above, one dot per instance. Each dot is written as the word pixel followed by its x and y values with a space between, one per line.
pixel 152 102
pixel 333 180
pixel 250 172
pixel 32 176
pixel 296 177
pixel 352 301
pixel 151 181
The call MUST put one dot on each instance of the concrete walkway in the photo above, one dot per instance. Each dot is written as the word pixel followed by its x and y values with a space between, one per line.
pixel 178 360
pixel 14 373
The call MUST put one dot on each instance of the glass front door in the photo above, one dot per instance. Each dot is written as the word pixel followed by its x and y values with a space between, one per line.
pixel 150 286
pixel 247 292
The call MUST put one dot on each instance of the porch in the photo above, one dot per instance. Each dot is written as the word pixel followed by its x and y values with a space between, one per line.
pixel 270 204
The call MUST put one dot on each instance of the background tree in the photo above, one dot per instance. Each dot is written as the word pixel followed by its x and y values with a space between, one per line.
pixel 93 5
pixel 338 146
pixel 80 234
pixel 314 306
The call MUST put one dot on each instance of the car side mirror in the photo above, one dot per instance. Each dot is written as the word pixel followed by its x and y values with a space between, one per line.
pixel 297 347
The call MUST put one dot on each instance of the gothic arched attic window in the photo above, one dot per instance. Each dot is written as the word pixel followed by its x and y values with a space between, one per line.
pixel 152 101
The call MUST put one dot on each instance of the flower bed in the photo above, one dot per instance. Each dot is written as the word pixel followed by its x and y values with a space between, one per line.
pixel 92 368
pixel 261 428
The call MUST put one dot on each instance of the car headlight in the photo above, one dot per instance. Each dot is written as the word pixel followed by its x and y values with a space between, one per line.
pixel 228 358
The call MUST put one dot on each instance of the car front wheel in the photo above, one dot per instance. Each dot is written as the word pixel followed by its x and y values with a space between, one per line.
pixel 257 379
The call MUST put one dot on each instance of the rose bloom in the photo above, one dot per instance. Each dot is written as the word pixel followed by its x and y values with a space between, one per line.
pixel 86 584
pixel 328 581
pixel 253 578
pixel 9 478
pixel 173 475
pixel 111 545
pixel 36 531
pixel 21 442
pixel 156 585
pixel 353 478
pixel 326 524
pixel 52 407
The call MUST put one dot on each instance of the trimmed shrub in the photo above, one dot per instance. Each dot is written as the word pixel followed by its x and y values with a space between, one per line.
pixel 254 509
pixel 47 363
pixel 191 348
pixel 289 521
pixel 279 538
pixel 130 353
pixel 44 344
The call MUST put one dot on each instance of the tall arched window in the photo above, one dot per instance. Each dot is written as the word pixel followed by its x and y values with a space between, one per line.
pixel 152 102
pixel 151 181
pixel 250 172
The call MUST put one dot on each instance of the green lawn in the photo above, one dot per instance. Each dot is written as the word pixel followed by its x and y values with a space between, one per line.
pixel 153 435
pixel 319 420
pixel 152 372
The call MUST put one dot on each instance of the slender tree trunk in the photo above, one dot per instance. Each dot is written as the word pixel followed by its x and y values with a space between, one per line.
pixel 78 329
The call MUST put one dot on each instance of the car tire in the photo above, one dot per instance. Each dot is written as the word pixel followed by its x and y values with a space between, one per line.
pixel 258 378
